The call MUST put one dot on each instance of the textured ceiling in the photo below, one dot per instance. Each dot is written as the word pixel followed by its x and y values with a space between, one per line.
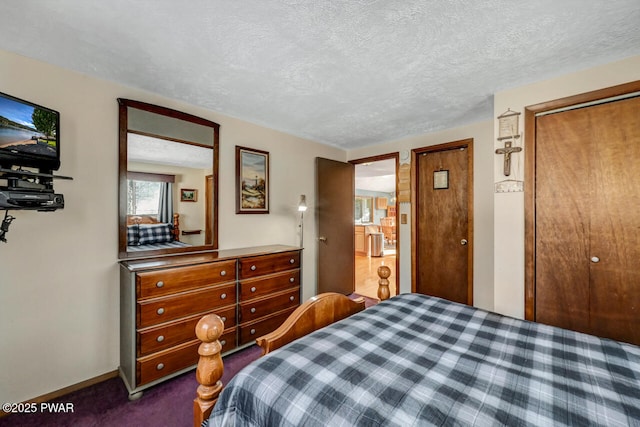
pixel 379 176
pixel 348 73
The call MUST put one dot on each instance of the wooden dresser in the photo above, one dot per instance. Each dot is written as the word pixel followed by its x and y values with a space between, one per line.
pixel 253 290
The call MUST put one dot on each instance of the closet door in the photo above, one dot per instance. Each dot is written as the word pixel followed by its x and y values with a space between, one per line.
pixel 587 242
pixel 615 221
pixel 563 173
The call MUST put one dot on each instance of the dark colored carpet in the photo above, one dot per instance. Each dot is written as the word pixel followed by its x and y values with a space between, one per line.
pixel 106 404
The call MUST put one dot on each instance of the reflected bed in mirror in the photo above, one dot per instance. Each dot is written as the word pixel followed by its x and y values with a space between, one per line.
pixel 162 153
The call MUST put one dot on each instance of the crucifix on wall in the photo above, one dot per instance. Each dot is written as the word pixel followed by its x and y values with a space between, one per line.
pixel 508 131
pixel 507 151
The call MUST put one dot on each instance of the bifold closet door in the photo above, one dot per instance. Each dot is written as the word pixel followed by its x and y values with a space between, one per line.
pixel 615 221
pixel 563 165
pixel 588 220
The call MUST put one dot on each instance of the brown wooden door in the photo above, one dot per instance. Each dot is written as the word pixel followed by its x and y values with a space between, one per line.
pixel 335 185
pixel 587 228
pixel 443 212
pixel 562 220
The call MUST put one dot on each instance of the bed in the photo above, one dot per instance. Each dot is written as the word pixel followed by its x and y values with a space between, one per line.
pixel 145 233
pixel 420 360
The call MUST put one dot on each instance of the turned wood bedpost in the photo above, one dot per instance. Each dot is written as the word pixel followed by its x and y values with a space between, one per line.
pixel 176 227
pixel 210 368
pixel 383 283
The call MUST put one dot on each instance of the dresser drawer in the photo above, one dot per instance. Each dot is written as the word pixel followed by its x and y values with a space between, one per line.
pixel 151 340
pixel 268 264
pixel 166 362
pixel 160 310
pixel 253 330
pixel 152 284
pixel 256 308
pixel 255 288
pixel 228 340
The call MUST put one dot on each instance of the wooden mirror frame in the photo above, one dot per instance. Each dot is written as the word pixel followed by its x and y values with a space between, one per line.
pixel 123 106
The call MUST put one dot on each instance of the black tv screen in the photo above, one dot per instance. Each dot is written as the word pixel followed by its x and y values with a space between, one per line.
pixel 29 135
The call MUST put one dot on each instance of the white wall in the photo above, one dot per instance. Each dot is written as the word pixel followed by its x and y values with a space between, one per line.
pixel 482 134
pixel 59 310
pixel 509 207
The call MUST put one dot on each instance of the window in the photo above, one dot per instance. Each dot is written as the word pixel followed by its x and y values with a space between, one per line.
pixel 364 209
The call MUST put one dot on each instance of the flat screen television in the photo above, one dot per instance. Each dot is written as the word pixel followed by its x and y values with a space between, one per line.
pixel 29 135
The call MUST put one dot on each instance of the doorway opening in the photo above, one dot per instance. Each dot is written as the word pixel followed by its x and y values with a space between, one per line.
pixel 376 228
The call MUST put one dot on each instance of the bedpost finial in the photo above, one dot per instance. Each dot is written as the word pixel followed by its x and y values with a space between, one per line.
pixel 209 328
pixel 210 367
pixel 383 283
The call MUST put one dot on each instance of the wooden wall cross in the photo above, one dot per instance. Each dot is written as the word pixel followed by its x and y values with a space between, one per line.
pixel 507 151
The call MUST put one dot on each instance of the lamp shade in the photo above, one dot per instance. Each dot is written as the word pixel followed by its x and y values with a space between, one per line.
pixel 302 205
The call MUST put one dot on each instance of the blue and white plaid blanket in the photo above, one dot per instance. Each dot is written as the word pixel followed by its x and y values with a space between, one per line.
pixel 416 360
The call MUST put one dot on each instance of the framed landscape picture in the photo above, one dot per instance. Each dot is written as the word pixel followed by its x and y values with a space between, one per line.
pixel 252 181
pixel 188 195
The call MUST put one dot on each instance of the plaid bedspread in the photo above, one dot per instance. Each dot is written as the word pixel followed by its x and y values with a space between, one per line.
pixel 154 246
pixel 415 360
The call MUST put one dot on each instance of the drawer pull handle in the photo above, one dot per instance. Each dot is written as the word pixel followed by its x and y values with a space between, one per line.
pixel 253 331
pixel 160 338
pixel 160 366
pixel 223 342
pixel 223 296
pixel 160 311
pixel 160 284
pixel 253 289
pixel 224 319
pixel 292 261
pixel 253 309
pixel 223 273
pixel 292 298
pixel 253 268
pixel 291 279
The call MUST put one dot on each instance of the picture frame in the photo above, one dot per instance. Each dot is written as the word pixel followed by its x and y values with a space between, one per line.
pixel 441 180
pixel 252 181
pixel 188 195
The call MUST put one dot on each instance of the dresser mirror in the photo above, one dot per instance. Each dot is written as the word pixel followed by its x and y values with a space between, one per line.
pixel 168 181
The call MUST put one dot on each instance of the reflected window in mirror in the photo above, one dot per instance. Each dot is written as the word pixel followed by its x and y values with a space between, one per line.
pixel 150 194
pixel 161 152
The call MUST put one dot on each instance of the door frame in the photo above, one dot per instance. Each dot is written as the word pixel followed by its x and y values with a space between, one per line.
pixel 529 176
pixel 388 156
pixel 415 192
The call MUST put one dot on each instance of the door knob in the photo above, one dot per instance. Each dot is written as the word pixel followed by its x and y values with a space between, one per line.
pixel 463 242
pixel 322 239
pixel 595 259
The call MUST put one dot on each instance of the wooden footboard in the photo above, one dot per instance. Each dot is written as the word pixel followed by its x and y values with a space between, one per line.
pixel 313 314
pixel 316 313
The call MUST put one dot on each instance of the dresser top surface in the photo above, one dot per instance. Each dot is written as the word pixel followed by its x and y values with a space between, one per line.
pixel 203 257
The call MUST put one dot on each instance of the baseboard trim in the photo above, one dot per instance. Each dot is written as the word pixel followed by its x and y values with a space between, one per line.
pixel 70 389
